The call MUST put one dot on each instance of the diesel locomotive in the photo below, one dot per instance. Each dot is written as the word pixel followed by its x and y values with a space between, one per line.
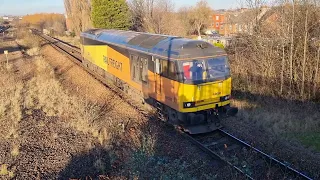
pixel 187 80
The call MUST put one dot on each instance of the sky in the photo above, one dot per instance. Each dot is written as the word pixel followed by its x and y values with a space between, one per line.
pixel 23 7
pixel 214 4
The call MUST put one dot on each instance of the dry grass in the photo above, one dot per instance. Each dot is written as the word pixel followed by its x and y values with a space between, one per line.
pixel 33 51
pixel 10 112
pixel 11 91
pixel 282 119
pixel 279 118
pixel 75 41
pixel 45 92
pixel 28 40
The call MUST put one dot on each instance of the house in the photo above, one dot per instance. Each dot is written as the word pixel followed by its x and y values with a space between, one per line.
pixel 217 22
pixel 8 18
pixel 242 21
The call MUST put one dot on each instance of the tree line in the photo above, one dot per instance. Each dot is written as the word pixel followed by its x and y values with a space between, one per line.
pixel 154 16
pixel 45 21
pixel 281 58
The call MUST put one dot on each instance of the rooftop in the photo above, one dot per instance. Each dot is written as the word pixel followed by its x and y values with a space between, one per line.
pixel 162 45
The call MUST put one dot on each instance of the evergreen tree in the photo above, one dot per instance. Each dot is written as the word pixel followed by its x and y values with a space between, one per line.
pixel 110 14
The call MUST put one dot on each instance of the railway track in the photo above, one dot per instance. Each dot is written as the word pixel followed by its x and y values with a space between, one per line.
pixel 246 159
pixel 71 51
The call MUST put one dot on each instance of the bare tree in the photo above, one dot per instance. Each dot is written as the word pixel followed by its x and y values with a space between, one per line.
pixel 292 44
pixel 304 54
pixel 184 17
pixel 59 27
pixel 156 16
pixel 200 15
pixel 285 58
pixel 316 78
pixel 79 14
pixel 159 16
pixel 138 13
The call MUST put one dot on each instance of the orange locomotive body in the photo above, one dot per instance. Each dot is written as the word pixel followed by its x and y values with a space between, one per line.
pixel 187 80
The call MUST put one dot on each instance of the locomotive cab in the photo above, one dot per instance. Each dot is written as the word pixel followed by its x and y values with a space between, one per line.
pixel 204 92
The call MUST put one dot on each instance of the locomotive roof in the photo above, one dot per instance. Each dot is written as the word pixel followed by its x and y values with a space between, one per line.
pixel 171 47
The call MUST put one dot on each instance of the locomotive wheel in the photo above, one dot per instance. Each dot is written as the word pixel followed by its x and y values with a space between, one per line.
pixel 172 116
pixel 192 119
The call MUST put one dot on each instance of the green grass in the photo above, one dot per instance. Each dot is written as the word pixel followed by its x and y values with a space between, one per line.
pixel 310 139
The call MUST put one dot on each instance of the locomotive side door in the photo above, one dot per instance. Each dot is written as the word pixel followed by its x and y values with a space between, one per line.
pixel 157 78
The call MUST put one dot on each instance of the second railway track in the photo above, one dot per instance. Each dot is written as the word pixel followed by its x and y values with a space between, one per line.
pixel 246 159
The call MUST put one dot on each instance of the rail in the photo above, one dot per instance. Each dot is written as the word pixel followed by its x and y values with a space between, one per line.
pixel 246 159
pixel 67 49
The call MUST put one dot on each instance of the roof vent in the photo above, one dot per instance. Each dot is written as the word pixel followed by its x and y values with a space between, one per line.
pixel 203 45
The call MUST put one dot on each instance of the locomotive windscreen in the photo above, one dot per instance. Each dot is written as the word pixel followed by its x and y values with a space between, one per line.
pixel 205 70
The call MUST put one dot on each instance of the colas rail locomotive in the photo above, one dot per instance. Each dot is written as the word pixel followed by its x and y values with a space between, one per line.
pixel 187 80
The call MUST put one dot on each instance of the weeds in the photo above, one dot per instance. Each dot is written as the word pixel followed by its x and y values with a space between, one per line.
pixel 46 93
pixel 4 170
pixel 279 117
pixel 15 151
pixel 29 42
pixel 10 103
pixel 27 39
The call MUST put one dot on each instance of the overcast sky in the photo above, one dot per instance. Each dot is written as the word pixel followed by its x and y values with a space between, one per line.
pixel 23 7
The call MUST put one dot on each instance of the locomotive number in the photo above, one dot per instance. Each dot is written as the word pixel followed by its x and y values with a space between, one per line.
pixel 216 94
pixel 112 62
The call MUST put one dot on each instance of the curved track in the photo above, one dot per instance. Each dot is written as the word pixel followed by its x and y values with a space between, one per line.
pixel 246 159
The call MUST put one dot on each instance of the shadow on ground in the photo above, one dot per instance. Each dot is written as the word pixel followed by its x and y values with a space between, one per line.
pixel 10 49
pixel 159 152
pixel 91 165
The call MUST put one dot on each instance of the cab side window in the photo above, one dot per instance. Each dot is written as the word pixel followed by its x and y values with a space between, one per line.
pixel 134 64
pixel 172 73
pixel 144 69
pixel 164 68
pixel 167 69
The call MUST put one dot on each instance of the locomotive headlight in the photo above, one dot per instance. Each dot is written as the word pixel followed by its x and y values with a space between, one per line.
pixel 189 104
pixel 225 98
